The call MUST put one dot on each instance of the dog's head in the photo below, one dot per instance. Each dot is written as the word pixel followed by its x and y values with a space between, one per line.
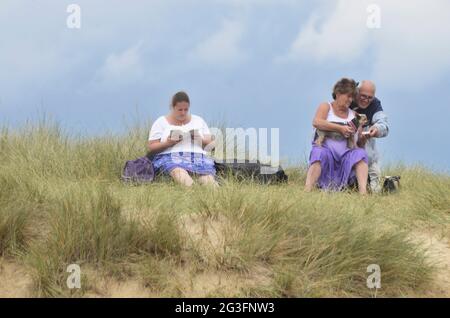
pixel 359 121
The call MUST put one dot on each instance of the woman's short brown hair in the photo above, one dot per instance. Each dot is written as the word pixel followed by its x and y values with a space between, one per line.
pixel 180 97
pixel 345 86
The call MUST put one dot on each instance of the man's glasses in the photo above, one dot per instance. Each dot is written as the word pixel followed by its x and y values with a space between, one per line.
pixel 366 97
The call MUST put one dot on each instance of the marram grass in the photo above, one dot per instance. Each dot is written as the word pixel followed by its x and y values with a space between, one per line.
pixel 61 203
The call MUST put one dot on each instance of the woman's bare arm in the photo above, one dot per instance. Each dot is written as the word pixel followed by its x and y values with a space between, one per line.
pixel 208 141
pixel 156 146
pixel 320 120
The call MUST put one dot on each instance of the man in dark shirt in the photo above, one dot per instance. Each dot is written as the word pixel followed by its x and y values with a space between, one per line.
pixel 366 103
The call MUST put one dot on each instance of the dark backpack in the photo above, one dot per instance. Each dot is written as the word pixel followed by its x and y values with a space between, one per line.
pixel 138 171
pixel 251 171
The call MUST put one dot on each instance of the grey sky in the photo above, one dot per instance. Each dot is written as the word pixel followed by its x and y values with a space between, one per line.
pixel 253 63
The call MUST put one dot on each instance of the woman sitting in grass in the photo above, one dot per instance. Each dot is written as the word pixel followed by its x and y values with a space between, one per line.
pixel 177 144
pixel 333 165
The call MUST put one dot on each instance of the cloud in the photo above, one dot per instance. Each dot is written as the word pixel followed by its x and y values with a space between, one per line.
pixel 413 49
pixel 222 47
pixel 122 68
pixel 342 36
pixel 408 50
pixel 254 3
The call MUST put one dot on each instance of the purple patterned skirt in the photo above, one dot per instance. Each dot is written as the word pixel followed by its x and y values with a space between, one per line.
pixel 337 162
pixel 197 163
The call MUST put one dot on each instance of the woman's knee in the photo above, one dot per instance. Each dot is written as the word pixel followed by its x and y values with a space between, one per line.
pixel 207 180
pixel 315 166
pixel 362 163
pixel 178 171
pixel 182 176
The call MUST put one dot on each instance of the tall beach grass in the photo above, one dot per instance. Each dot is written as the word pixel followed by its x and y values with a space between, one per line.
pixel 62 202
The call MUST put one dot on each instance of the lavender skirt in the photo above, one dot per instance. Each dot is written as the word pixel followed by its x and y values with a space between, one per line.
pixel 337 162
pixel 197 163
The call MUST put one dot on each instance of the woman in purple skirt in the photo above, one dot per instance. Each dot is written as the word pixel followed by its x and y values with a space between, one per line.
pixel 177 143
pixel 334 166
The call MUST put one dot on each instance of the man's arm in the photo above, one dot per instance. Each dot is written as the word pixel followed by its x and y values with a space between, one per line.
pixel 380 121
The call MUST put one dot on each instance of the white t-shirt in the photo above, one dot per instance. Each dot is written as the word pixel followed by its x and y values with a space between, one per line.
pixel 161 129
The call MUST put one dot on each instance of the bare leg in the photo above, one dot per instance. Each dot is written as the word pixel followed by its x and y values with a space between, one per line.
pixel 362 171
pixel 208 180
pixel 313 175
pixel 181 176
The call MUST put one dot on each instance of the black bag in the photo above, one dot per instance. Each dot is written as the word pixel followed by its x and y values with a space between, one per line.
pixel 254 171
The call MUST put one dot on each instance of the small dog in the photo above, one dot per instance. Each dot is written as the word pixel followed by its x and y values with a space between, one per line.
pixel 391 184
pixel 357 123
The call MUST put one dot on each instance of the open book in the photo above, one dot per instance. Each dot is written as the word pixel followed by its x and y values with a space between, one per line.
pixel 177 134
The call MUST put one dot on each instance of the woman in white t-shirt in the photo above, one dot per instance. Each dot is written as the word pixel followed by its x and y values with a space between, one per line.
pixel 177 143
